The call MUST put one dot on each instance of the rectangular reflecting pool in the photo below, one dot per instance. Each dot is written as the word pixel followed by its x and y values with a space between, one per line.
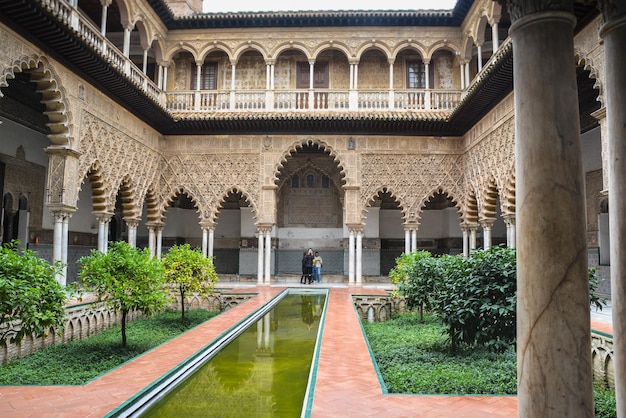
pixel 263 369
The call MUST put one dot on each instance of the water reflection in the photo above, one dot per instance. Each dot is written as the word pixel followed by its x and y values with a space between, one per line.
pixel 262 373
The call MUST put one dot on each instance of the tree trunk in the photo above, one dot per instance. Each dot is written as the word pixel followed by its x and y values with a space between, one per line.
pixel 124 312
pixel 182 304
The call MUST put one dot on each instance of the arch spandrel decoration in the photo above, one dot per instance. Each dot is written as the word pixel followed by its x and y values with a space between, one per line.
pixel 491 159
pixel 413 176
pixel 207 176
pixel 120 157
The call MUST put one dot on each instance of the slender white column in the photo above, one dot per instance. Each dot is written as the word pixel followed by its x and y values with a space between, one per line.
pixel 131 225
pixel 414 239
pixel 160 77
pixel 486 235
pixel 211 241
pixel 272 69
pixel 144 66
pixel 65 239
pixel 164 83
pixel 462 76
pixel 465 242
pixel 57 242
pixel 311 69
pixel 359 258
pixel 407 240
pixel 159 242
pixel 427 75
pixel 351 257
pixel 232 76
pixel 205 241
pixel 268 255
pixel 103 21
pixel 494 36
pixel 356 76
pixel 391 76
pixel 267 76
pixel 101 234
pixel 198 75
pixel 467 74
pixel 472 242
pixel 613 33
pixel 126 51
pixel 260 256
pixel 479 56
pixel 151 240
pixel 351 76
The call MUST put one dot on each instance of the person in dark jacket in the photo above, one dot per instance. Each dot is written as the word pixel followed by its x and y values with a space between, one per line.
pixel 303 277
pixel 308 265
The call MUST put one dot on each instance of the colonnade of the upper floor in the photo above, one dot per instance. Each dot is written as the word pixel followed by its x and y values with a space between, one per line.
pixel 130 35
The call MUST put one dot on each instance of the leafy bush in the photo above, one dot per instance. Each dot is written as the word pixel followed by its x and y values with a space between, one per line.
pixel 413 357
pixel 477 300
pixel 125 278
pixel 31 299
pixel 414 274
pixel 605 404
pixel 77 362
pixel 190 271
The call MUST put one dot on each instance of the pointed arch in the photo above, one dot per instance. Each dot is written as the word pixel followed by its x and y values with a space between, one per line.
pixel 441 198
pixel 53 95
pixel 298 145
pixel 385 189
pixel 233 190
pixel 488 209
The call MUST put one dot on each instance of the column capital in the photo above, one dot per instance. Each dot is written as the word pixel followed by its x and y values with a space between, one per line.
pixel 61 210
pixel 132 222
pixel 207 225
pixel 521 8
pixel 611 9
pixel 509 218
pixel 355 227
pixel 103 216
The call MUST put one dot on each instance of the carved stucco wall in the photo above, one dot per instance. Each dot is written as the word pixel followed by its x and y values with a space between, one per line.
pixel 490 155
pixel 120 156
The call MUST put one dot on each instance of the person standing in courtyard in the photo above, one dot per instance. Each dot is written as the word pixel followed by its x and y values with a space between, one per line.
pixel 317 267
pixel 308 265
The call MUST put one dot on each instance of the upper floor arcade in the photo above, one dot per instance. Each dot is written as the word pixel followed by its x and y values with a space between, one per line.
pixel 436 71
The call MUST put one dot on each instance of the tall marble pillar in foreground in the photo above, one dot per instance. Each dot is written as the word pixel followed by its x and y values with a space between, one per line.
pixel 553 325
pixel 613 32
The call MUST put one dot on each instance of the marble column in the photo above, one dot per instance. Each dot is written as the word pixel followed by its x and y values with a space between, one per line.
pixel 413 239
pixel 151 240
pixel 494 36
pixel 131 225
pixel 509 220
pixel 465 231
pixel 159 241
pixel 65 242
pixel 260 257
pixel 103 21
pixel 486 224
pixel 211 241
pixel 613 32
pixel 351 257
pixel 472 238
pixel 268 256
pixel 205 241
pixel 359 258
pixel 103 231
pixel 553 318
pixel 407 240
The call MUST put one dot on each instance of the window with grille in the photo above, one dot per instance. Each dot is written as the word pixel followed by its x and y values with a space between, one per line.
pixel 208 76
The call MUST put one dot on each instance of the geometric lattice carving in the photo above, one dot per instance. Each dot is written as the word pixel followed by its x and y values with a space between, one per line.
pixel 208 178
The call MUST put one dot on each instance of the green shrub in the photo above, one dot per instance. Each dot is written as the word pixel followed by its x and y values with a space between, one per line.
pixel 31 299
pixel 605 404
pixel 77 362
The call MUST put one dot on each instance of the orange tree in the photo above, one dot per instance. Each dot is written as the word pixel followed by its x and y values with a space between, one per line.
pixel 125 279
pixel 190 272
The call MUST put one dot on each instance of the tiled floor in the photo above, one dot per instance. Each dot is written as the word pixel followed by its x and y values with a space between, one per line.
pixel 346 385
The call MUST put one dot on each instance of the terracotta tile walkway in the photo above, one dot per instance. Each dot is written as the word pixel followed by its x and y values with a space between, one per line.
pixel 346 385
